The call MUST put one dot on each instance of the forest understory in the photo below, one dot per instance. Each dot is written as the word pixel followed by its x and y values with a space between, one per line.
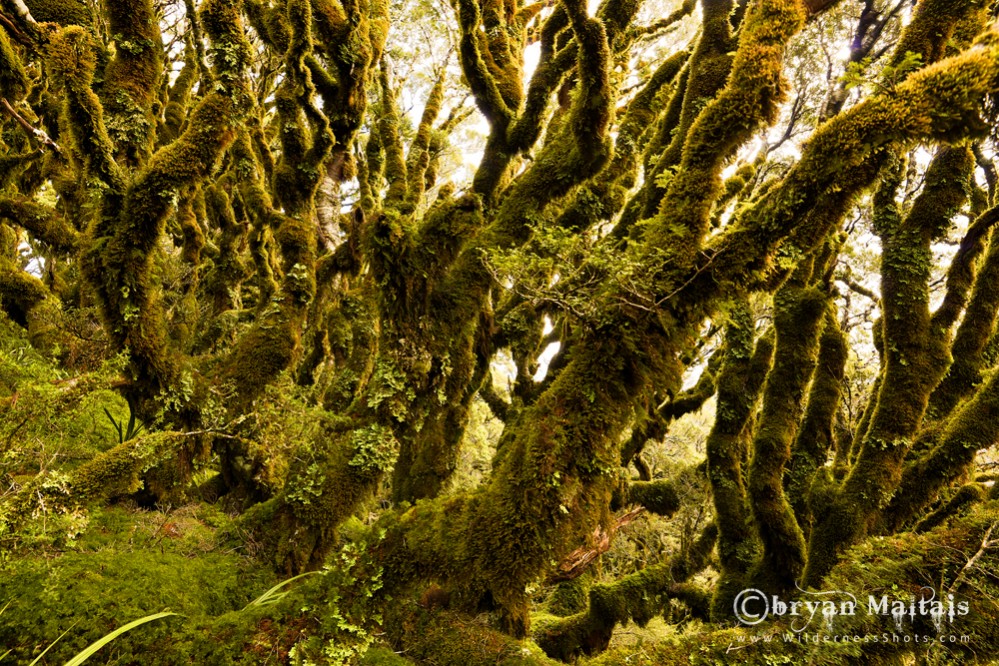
pixel 480 332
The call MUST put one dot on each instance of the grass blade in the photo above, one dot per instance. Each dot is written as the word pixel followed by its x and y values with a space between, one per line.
pixel 272 594
pixel 117 426
pixel 39 657
pixel 101 642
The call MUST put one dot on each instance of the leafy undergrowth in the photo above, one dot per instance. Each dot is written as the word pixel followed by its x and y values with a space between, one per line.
pixel 48 418
pixel 74 573
pixel 80 572
pixel 129 563
pixel 125 563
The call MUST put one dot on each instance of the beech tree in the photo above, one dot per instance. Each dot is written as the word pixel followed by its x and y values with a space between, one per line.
pixel 242 273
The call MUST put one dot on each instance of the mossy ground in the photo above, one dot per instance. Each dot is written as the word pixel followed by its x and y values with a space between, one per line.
pixel 213 376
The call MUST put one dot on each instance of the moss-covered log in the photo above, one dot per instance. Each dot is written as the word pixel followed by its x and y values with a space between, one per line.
pixel 637 598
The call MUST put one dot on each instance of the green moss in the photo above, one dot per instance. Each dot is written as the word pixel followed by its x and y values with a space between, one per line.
pixel 418 160
pixel 915 358
pixel 13 79
pixel 43 222
pixel 452 639
pixel 20 292
pixel 673 239
pixel 116 472
pixel 897 568
pixel 178 101
pixel 708 69
pixel 229 269
pixel 132 78
pixel 375 450
pixel 974 426
pixel 89 594
pixel 382 656
pixel 71 57
pixel 391 141
pixel 931 29
pixel 659 497
pixel 968 349
pixel 569 596
pixel 123 240
pixel 739 383
pixel 63 12
pixel 262 353
pixel 636 597
pixel 962 500
pixel 815 439
pixel 474 65
pixel 798 314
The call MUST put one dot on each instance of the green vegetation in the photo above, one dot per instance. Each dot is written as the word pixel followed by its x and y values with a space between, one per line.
pixel 368 332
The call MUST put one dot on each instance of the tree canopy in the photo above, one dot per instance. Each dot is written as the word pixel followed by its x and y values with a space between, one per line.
pixel 357 331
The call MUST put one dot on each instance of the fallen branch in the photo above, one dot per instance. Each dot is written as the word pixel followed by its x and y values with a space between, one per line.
pixel 986 544
pixel 576 562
